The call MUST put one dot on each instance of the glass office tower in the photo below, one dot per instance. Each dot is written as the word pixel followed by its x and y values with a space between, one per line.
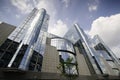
pixel 102 59
pixel 21 49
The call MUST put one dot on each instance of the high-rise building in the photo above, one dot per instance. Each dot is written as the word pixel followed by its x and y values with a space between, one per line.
pixel 99 54
pixel 21 47
pixel 31 53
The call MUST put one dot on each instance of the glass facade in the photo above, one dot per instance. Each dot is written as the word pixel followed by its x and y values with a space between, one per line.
pixel 103 51
pixel 62 44
pixel 98 53
pixel 104 54
pixel 7 50
pixel 67 55
pixel 19 33
pixel 35 62
pixel 24 48
pixel 28 41
pixel 72 35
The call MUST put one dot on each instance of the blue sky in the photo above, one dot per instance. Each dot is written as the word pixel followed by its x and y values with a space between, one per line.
pixel 94 16
pixel 69 11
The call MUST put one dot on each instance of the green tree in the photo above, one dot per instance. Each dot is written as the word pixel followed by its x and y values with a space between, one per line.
pixel 67 65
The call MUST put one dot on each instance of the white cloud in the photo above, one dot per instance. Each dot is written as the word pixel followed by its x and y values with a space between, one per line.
pixel 55 27
pixel 0 22
pixel 108 28
pixel 66 2
pixel 86 31
pixel 51 10
pixel 17 16
pixel 93 5
pixel 23 5
pixel 92 8
pixel 48 5
pixel 35 2
pixel 60 28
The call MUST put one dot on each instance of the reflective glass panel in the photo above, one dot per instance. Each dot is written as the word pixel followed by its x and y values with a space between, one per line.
pixel 104 54
pixel 66 55
pixel 62 44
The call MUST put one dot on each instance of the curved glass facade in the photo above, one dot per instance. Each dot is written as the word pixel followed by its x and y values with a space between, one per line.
pixel 62 44
pixel 35 37
pixel 67 55
pixel 29 39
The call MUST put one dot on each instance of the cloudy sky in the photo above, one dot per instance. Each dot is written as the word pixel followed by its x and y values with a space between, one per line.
pixel 100 17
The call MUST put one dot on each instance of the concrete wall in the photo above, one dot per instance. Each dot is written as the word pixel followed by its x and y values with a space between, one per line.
pixel 82 65
pixel 50 59
pixel 5 30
